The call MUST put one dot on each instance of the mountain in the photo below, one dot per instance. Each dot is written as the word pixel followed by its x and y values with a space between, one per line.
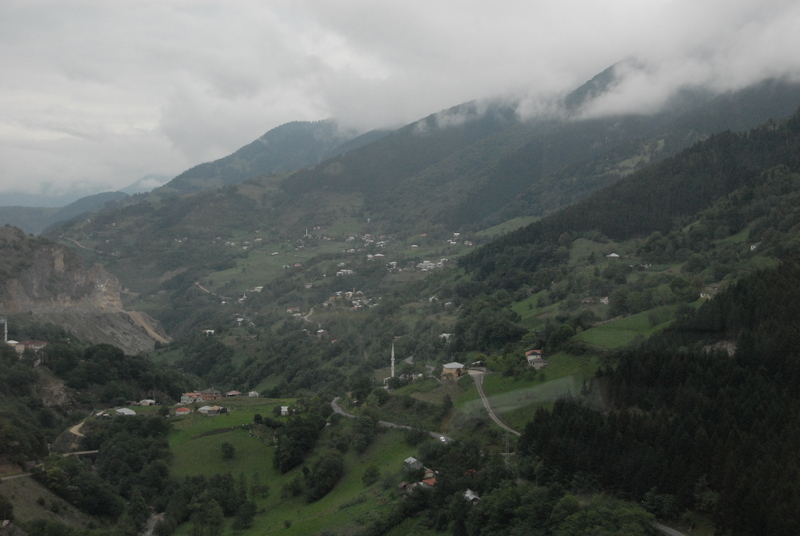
pixel 461 170
pixel 36 219
pixel 285 148
pixel 466 167
pixel 661 289
pixel 145 184
pixel 21 199
pixel 52 283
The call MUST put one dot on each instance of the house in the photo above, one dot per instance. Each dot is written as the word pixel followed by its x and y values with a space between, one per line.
pixel 535 359
pixel 211 410
pixel 453 370
pixel 412 464
pixel 233 393
pixel 253 394
pixel 125 412
pixel 428 482
pixel 190 398
pixel 284 411
pixel 210 394
pixel 147 402
pixel 33 346
pixel 612 256
pixel 215 410
pixel 182 411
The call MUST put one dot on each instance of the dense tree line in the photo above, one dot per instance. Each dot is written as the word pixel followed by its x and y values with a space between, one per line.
pixel 693 425
pixel 108 366
pixel 651 200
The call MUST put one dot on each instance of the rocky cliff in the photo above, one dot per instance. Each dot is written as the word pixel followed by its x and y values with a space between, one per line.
pixel 52 282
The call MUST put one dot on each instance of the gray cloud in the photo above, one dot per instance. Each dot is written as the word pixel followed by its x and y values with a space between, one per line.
pixel 99 93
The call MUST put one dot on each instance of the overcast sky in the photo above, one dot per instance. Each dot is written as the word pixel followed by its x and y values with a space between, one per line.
pixel 97 94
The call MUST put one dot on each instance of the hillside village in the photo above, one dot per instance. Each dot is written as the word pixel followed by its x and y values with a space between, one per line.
pixel 537 342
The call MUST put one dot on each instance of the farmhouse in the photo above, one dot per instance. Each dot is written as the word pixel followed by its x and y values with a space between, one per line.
pixel 125 412
pixel 535 359
pixel 190 398
pixel 452 370
pixel 210 394
pixel 33 346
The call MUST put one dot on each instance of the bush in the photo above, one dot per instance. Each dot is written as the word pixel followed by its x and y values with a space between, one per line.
pixel 371 475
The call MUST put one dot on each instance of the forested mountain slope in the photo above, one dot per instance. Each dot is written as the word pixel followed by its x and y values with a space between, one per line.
pixel 654 200
pixel 285 148
pixel 462 167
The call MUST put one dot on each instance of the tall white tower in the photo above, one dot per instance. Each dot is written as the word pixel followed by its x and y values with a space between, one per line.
pixel 392 360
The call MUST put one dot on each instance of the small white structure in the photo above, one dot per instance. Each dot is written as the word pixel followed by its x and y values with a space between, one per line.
pixel 471 496
pixel 612 256
pixel 284 410
pixel 147 402
pixel 412 464
pixel 125 412
pixel 253 394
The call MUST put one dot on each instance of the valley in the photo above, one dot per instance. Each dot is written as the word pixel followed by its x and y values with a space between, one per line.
pixel 599 317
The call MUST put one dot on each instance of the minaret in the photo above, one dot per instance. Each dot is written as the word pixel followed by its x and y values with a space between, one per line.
pixel 392 360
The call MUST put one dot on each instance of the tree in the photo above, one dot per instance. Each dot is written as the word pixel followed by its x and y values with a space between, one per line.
pixel 323 477
pixel 228 451
pixel 371 475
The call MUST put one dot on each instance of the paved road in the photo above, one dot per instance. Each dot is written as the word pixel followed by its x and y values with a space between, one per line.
pixel 23 475
pixel 668 530
pixel 338 409
pixel 477 375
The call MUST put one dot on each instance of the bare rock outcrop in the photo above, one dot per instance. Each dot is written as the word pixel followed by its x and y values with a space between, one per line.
pixel 51 282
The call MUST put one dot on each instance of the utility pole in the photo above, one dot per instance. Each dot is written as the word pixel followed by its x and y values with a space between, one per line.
pixel 5 330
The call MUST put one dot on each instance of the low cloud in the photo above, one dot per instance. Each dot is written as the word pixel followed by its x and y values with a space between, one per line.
pixel 103 93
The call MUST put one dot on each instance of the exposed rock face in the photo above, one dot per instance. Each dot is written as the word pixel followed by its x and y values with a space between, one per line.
pixel 51 282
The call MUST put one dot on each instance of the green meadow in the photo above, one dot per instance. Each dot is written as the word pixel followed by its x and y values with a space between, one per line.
pixel 622 331
pixel 196 442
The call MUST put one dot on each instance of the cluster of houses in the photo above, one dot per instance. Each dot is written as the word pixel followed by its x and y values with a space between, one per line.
pixel 211 394
pixel 455 370
pixel 428 480
pixel 355 299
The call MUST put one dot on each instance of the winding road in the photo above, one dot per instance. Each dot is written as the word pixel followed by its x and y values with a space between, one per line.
pixel 338 409
pixel 477 375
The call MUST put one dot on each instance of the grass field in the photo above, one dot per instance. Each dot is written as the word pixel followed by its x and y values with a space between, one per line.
pixel 349 506
pixel 623 331
pixel 32 501
pixel 507 227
